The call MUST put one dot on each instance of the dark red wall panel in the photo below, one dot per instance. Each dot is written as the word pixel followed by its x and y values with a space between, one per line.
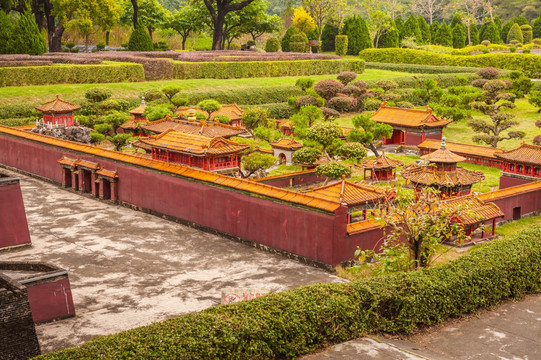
pixel 51 300
pixel 13 224
pixel 508 181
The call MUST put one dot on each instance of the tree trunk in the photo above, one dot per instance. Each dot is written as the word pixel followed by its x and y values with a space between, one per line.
pixel 86 42
pixel 150 31
pixel 184 38
pixel 374 149
pixel 217 36
pixel 135 12
pixel 54 36
pixel 469 34
pixel 107 33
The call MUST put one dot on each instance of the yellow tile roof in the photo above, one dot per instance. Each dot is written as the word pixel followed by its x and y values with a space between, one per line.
pixel 233 111
pixel 203 128
pixel 527 153
pixel 511 191
pixel 408 117
pixel 88 164
pixel 181 170
pixel 57 106
pixel 139 110
pixel 288 144
pixel 349 193
pixel 107 173
pixel 362 226
pixel 68 161
pixel 132 124
pixel 381 162
pixel 475 209
pixel 193 144
pixel 443 155
pixel 296 173
pixel 464 149
pixel 428 176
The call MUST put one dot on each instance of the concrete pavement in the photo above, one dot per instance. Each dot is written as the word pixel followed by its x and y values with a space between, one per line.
pixel 129 268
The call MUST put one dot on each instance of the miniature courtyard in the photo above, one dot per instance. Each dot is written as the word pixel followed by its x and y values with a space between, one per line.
pixel 129 269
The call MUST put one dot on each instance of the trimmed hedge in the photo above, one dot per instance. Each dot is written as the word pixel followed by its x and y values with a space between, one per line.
pixel 245 69
pixel 421 69
pixel 276 110
pixel 245 96
pixel 527 63
pixel 72 74
pixel 299 321
pixel 415 81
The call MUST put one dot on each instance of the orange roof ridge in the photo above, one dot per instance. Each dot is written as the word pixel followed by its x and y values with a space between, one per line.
pixel 272 177
pixel 57 105
pixel 269 191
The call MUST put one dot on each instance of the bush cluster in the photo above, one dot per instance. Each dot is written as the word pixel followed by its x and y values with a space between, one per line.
pixel 421 69
pixel 73 74
pixel 529 64
pixel 341 45
pixel 299 321
pixel 272 45
pixel 244 69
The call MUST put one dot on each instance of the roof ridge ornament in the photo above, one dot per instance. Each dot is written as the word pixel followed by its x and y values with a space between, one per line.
pixel 442 143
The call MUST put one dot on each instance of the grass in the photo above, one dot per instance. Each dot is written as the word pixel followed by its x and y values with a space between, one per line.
pixel 285 169
pixel 75 92
pixel 518 225
pixel 525 113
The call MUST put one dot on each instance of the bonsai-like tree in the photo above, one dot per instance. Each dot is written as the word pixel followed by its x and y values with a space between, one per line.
pixel 254 118
pixel 371 132
pixel 306 117
pixel 255 162
pixel 96 96
pixel 333 170
pixel 327 134
pixel 120 140
pixel 210 106
pixel 494 100
pixel 306 156
pixel 170 91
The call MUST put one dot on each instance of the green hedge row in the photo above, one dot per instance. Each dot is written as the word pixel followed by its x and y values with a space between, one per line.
pixel 299 321
pixel 281 110
pixel 246 69
pixel 528 63
pixel 421 69
pixel 71 74
pixel 245 96
pixel 18 121
pixel 415 81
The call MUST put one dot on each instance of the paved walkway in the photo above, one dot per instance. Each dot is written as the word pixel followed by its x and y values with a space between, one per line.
pixel 129 269
pixel 510 332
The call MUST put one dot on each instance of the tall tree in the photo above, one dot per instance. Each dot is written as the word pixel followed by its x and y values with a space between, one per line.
pixel 323 11
pixel 255 20
pixel 472 12
pixel 185 22
pixel 411 30
pixel 495 99
pixel 424 28
pixel 430 9
pixel 150 14
pixel 218 10
pixel 536 28
pixel 358 35
pixel 26 36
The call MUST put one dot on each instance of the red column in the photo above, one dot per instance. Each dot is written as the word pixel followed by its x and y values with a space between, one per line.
pixel 493 226
pixel 64 177
pixel 81 180
pixel 74 177
pixel 100 194
pixel 114 191
pixel 94 188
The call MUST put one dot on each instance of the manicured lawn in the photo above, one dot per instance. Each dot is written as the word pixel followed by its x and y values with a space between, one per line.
pixel 525 113
pixel 75 92
pixel 517 226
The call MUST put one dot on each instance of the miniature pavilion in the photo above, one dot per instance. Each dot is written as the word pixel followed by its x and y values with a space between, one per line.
pixel 520 165
pixel 213 154
pixel 356 197
pixel 283 149
pixel 475 154
pixel 442 173
pixel 232 111
pixel 410 126
pixel 381 168
pixel 477 216
pixel 58 112
pixel 139 111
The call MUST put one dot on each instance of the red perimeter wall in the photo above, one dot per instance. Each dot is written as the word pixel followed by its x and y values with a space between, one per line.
pixel 305 232
pixel 508 181
pixel 51 300
pixel 13 224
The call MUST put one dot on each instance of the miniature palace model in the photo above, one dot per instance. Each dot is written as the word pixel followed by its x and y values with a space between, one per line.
pixel 193 150
pixel 475 154
pixel 442 173
pixel 58 112
pixel 232 111
pixel 410 126
pixel 520 165
pixel 381 168
pixel 283 149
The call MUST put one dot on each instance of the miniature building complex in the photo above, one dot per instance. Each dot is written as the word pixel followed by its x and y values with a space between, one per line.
pixel 58 112
pixel 87 176
pixel 520 165
pixel 443 175
pixel 410 126
pixel 214 154
pixel 232 111
pixel 48 287
pixel 139 111
pixel 475 154
pixel 356 197
pixel 283 149
pixel 381 168
pixel 13 224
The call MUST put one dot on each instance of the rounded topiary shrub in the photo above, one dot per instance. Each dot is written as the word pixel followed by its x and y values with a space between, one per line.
pixel 299 43
pixel 287 39
pixel 479 83
pixel 342 103
pixel 234 46
pixel 140 40
pixel 527 33
pixel 307 100
pixel 345 77
pixel 489 73
pixel 341 44
pixel 328 88
pixel 515 34
pixel 272 45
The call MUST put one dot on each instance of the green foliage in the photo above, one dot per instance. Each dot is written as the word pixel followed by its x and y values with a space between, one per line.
pixel 527 33
pixel 536 28
pixel 306 156
pixel 444 36
pixel 328 37
pixel 529 64
pixel 178 100
pixel 6 34
pixel 157 112
pixel 390 38
pixel 306 117
pixel 299 43
pixel 356 30
pixel 324 133
pixel 286 40
pixel 115 119
pixel 421 69
pixel 27 38
pixel 333 170
pixel 103 128
pixel 341 45
pixel 371 131
pixel 474 35
pixel 120 140
pixel 210 106
pixel 521 85
pixel 140 40
pixel 434 28
pixel 424 28
pixel 255 117
pixel 96 137
pixel 224 119
pixel 97 94
pixel 535 99
pixel 351 150
pixel 246 69
pixel 304 84
pixel 257 161
pixel 459 37
pixel 411 30
pixel 490 33
pixel 267 133
pixel 272 44
pixel 170 91
pixel 71 74
pixel 515 33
